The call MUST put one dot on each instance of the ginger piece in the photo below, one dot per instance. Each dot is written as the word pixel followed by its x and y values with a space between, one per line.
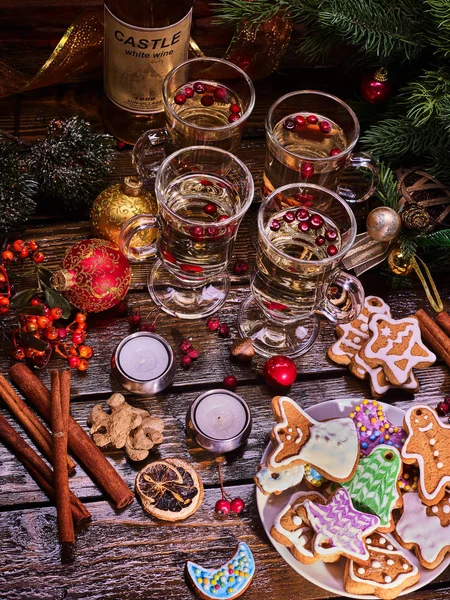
pixel 127 427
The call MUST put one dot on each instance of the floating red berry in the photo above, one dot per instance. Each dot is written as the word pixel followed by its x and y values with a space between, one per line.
pixel 205 182
pixel 289 216
pixel 210 208
pixel 180 99
pixel 300 121
pixel 185 345
pixel 289 124
pixel 280 371
pixel 196 233
pixel 230 383
pixel 188 92
pixel 235 109
pixel 320 240
pixel 224 330
pixel 335 151
pixel 312 119
pixel 191 268
pixel 168 256
pixel 303 226
pixel 222 507
pixel 207 100
pixel 316 222
pixel 233 118
pixel 302 214
pixel 307 170
pixel 332 250
pixel 240 267
pixel 275 225
pixel 306 199
pixel 331 234
pixel 221 95
pixel 185 361
pixel 325 126
pixel 213 324
pixel 237 505
pixel 199 87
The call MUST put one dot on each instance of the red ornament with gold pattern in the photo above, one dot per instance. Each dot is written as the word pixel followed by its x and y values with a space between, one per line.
pixel 94 275
pixel 376 88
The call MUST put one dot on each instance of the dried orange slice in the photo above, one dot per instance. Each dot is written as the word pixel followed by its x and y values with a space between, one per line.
pixel 170 489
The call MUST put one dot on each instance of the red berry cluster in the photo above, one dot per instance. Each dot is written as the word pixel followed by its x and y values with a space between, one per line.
pixel 19 250
pixel 240 267
pixel 135 322
pixel 226 503
pixel 210 94
pixel 308 221
pixel 214 324
pixel 67 341
pixel 298 123
pixel 443 408
pixel 188 353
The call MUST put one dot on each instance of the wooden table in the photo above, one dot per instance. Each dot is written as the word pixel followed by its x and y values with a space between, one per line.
pixel 127 554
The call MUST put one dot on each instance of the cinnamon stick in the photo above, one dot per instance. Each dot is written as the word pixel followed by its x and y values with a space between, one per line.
pixel 29 422
pixel 433 336
pixel 59 438
pixel 443 319
pixel 37 468
pixel 101 471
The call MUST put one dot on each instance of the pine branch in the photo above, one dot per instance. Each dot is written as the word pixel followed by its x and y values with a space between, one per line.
pixel 437 239
pixel 428 98
pixel 439 35
pixel 258 11
pixel 408 244
pixel 387 190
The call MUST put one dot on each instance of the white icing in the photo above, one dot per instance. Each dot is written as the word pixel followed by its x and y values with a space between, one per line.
pixel 436 453
pixel 376 564
pixel 361 571
pixel 332 446
pixel 429 495
pixel 387 579
pixel 285 480
pixel 298 439
pixel 374 373
pixel 357 339
pixel 446 509
pixel 389 547
pixel 290 430
pixel 434 509
pixel 364 327
pixel 426 428
pixel 389 561
pixel 426 531
pixel 368 541
pixel 289 438
pixel 440 465
pixel 382 541
pixel 411 331
pixel 405 566
pixel 297 520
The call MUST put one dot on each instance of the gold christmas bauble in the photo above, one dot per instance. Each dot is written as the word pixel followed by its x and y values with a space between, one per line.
pixel 116 205
pixel 383 224
pixel 398 264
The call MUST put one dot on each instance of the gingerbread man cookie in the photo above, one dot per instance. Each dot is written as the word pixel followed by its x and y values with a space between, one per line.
pixel 292 529
pixel 374 486
pixel 354 334
pixel 396 346
pixel 424 529
pixel 428 446
pixel 339 528
pixel 330 447
pixel 388 573
pixel 276 482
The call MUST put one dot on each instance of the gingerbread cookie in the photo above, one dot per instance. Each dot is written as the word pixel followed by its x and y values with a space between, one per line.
pixel 292 528
pixel 374 486
pixel 228 581
pixel 396 346
pixel 276 482
pixel 374 428
pixel 354 334
pixel 428 446
pixel 340 528
pixel 388 573
pixel 425 529
pixel 379 385
pixel 330 447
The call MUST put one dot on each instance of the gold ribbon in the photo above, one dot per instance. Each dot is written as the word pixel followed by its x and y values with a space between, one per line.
pixel 365 254
pixel 429 286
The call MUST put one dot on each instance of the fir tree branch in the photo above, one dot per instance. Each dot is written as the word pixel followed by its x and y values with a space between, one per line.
pixel 437 239
pixel 408 244
pixel 428 98
pixel 387 190
pixel 439 35
pixel 258 11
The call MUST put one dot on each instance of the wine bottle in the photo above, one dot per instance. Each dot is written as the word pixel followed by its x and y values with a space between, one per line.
pixel 144 40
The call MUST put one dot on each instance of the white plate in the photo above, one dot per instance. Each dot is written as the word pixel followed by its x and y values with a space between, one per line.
pixel 330 576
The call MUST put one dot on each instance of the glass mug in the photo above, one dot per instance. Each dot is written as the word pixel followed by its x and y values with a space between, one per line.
pixel 297 270
pixel 206 102
pixel 203 194
pixel 310 139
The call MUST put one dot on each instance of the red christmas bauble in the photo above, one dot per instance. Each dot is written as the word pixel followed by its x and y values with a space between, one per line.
pixel 280 371
pixel 376 88
pixel 94 275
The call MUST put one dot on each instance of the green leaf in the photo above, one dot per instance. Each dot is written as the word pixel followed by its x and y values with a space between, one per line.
pixel 438 239
pixel 21 299
pixel 56 300
pixel 33 310
pixel 44 274
pixel 27 339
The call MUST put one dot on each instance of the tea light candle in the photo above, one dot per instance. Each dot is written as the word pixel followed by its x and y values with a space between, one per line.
pixel 219 421
pixel 144 363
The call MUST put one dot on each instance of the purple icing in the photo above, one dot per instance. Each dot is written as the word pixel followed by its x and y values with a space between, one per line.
pixel 339 525
pixel 382 431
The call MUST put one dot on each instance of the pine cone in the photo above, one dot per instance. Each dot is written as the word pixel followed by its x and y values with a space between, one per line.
pixel 415 217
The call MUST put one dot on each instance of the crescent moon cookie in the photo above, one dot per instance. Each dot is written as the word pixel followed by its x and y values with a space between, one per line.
pixel 330 447
pixel 228 581
pixel 387 574
pixel 354 334
pixel 374 486
pixel 270 481
pixel 428 446
pixel 292 528
pixel 339 528
pixel 426 529
pixel 396 346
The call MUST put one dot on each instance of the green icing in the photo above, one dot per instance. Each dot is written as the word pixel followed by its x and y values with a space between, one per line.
pixel 373 488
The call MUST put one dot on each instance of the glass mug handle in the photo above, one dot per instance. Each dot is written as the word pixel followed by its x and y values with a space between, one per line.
pixel 132 227
pixel 361 161
pixel 353 287
pixel 143 149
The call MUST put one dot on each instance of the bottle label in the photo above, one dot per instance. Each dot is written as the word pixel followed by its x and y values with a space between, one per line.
pixel 137 60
